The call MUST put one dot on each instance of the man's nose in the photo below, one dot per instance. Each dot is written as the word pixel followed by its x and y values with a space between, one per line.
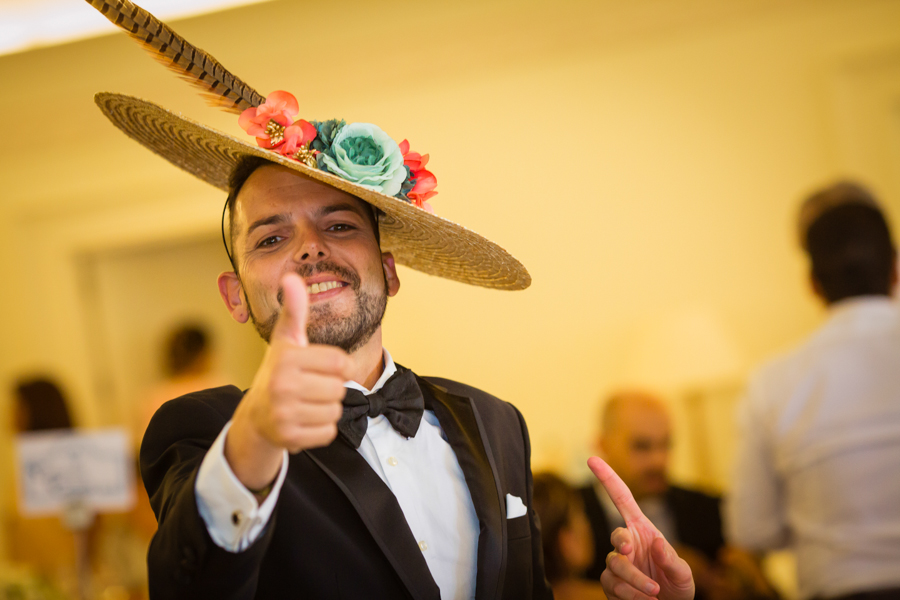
pixel 312 247
pixel 660 456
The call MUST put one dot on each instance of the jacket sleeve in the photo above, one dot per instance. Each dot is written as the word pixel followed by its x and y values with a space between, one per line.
pixel 542 590
pixel 183 561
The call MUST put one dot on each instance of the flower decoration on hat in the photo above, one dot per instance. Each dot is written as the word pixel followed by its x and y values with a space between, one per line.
pixel 360 153
pixel 273 125
pixel 423 181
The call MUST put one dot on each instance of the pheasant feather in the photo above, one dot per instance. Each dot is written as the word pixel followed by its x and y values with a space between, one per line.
pixel 217 85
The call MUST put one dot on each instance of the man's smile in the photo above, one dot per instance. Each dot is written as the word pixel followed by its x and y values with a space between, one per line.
pixel 320 289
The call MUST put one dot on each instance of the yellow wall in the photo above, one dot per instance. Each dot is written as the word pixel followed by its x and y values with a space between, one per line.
pixel 642 159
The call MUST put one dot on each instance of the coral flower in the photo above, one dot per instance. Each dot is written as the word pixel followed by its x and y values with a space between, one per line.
pixel 413 160
pixel 423 189
pixel 425 180
pixel 280 107
pixel 297 135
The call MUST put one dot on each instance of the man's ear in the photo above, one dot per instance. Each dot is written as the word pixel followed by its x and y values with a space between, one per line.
pixel 390 273
pixel 233 295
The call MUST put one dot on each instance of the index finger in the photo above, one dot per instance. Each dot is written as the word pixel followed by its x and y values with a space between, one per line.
pixel 617 490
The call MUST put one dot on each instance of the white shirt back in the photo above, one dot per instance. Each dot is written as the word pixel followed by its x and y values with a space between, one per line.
pixel 818 467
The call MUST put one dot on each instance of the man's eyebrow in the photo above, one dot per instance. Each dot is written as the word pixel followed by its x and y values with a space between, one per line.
pixel 340 207
pixel 272 220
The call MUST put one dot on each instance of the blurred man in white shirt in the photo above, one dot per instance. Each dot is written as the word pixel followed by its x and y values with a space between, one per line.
pixel 818 465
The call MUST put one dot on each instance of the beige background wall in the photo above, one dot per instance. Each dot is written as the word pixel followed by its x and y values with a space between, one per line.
pixel 643 159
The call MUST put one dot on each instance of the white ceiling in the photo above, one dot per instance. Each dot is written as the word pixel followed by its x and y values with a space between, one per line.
pixel 27 24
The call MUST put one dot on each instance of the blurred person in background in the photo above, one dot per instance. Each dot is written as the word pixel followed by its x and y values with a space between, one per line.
pixel 818 464
pixel 41 542
pixel 48 547
pixel 566 537
pixel 188 360
pixel 40 406
pixel 635 440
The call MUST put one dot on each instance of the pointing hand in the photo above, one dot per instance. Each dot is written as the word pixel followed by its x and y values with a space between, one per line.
pixel 643 564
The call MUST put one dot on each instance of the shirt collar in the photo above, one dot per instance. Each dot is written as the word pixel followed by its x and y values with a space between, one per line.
pixel 389 369
pixel 863 303
pixel 862 309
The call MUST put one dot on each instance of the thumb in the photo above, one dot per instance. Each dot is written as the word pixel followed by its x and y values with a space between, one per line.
pixel 291 324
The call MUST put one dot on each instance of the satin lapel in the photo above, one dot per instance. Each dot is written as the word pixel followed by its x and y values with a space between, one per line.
pixel 464 429
pixel 379 510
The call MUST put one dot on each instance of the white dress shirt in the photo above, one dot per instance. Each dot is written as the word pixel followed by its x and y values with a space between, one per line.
pixel 818 466
pixel 422 472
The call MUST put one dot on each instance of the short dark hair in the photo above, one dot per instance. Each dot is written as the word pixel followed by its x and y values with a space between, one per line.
pixel 851 251
pixel 43 404
pixel 243 169
pixel 183 347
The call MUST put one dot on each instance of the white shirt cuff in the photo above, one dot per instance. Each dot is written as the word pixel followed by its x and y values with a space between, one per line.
pixel 232 515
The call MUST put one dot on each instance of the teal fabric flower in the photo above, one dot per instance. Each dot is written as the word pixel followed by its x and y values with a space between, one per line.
pixel 366 156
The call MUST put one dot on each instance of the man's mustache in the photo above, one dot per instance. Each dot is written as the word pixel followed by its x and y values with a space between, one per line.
pixel 306 271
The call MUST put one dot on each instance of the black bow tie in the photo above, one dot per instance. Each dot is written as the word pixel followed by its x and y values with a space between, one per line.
pixel 400 400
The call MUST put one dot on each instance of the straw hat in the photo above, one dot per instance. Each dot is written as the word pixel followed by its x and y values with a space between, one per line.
pixel 417 238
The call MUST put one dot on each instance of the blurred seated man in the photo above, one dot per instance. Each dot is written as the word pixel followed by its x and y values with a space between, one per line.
pixel 635 440
pixel 566 538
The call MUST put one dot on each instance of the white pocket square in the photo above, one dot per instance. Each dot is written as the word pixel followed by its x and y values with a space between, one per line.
pixel 514 507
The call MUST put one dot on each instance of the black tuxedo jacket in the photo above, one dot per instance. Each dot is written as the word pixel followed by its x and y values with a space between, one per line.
pixel 697 516
pixel 337 530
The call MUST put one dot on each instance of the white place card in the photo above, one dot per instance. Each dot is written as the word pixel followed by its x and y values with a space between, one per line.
pixel 93 469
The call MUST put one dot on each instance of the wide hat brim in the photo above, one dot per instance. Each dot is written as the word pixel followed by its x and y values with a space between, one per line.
pixel 417 238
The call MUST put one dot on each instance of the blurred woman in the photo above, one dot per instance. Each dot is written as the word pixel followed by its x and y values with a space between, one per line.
pixel 42 543
pixel 566 535
pixel 40 406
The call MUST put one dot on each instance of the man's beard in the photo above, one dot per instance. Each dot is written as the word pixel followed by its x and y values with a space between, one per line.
pixel 323 327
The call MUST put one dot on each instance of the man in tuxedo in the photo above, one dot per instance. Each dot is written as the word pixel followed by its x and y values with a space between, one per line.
pixel 339 473
pixel 282 491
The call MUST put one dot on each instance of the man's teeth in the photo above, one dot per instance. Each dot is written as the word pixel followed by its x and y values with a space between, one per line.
pixel 322 287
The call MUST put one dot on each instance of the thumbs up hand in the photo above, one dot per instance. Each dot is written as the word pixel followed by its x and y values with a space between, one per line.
pixel 295 400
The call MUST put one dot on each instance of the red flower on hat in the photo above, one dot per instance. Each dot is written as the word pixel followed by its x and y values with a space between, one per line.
pixel 413 160
pixel 423 190
pixel 296 136
pixel 267 122
pixel 425 180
